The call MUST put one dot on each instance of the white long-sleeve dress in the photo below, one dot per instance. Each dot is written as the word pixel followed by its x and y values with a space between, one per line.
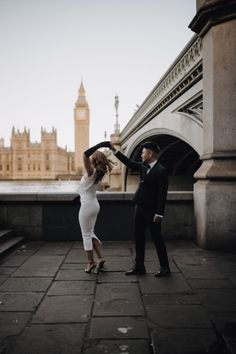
pixel 89 209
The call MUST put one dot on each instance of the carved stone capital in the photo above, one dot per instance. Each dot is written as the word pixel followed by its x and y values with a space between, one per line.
pixel 210 13
pixel 213 169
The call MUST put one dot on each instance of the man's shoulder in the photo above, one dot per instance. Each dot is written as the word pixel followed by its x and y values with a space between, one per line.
pixel 160 168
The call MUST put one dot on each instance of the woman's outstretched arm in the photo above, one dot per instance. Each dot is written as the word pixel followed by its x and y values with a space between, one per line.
pixel 87 163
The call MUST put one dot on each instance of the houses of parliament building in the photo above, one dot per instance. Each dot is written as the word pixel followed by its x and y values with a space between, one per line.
pixel 24 160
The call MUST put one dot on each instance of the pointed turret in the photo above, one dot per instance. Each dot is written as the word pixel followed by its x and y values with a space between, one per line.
pixel 81 120
pixel 117 125
pixel 81 89
pixel 81 101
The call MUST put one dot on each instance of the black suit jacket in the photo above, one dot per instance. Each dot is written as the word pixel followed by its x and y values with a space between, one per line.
pixel 152 190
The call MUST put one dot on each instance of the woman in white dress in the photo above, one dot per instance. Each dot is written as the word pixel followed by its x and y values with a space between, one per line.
pixel 96 166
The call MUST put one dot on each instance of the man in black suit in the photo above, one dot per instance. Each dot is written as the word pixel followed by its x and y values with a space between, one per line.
pixel 150 199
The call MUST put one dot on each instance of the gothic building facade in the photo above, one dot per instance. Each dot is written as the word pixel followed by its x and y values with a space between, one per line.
pixel 25 160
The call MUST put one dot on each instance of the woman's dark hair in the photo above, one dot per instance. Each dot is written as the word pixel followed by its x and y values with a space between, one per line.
pixel 101 164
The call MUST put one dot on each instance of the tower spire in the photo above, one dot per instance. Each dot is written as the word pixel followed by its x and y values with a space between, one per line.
pixel 81 89
pixel 81 101
pixel 81 121
pixel 116 125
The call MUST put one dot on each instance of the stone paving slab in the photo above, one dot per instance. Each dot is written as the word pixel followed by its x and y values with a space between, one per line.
pixel 182 247
pixel 76 255
pixel 14 261
pixel 60 248
pixel 210 283
pixel 177 341
pixel 223 319
pixel 150 254
pixel 201 271
pixel 46 291
pixel 3 279
pixel 117 299
pixel 43 339
pixel 116 277
pixel 190 260
pixel 226 266
pixel 117 251
pixel 12 323
pixel 225 322
pixel 7 270
pixel 220 301
pixel 75 274
pixel 29 249
pixel 232 278
pixel 178 316
pixel 78 244
pixel 26 284
pixel 174 283
pixel 19 301
pixel 119 347
pixel 70 266
pixel 64 309
pixel 170 299
pixel 118 327
pixel 40 266
pixel 118 245
pixel 72 288
pixel 119 264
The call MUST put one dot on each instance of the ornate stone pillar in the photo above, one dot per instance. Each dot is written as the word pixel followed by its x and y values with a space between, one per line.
pixel 215 189
pixel 115 175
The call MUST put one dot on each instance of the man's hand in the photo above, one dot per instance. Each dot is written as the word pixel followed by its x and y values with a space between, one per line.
pixel 157 219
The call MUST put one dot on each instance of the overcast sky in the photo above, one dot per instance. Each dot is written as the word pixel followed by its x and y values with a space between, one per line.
pixel 117 47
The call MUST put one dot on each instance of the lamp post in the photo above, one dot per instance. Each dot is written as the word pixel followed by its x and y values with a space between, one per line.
pixel 117 125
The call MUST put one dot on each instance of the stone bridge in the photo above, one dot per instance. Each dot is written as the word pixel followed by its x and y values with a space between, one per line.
pixel 172 116
pixel 190 113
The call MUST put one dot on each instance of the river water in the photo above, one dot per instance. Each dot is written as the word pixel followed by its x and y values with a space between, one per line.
pixel 16 187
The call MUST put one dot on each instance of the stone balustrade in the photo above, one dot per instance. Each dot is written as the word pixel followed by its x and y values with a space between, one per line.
pixel 54 216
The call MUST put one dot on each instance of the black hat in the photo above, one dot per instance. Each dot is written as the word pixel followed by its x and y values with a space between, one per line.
pixel 151 145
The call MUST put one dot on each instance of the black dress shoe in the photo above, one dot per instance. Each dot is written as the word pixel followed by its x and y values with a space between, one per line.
pixel 136 271
pixel 162 272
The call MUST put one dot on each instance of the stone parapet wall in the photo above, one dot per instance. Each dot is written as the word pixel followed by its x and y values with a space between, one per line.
pixel 55 216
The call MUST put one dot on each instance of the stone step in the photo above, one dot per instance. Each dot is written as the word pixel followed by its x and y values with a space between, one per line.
pixel 9 244
pixel 4 234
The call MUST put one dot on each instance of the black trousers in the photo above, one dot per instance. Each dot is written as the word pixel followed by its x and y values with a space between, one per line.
pixel 144 219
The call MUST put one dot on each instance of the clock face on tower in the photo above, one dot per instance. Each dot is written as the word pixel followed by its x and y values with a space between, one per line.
pixel 80 114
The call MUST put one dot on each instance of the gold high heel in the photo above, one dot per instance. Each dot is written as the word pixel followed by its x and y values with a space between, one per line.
pixel 91 268
pixel 101 265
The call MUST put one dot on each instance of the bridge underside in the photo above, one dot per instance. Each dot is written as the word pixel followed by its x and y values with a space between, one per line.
pixel 180 159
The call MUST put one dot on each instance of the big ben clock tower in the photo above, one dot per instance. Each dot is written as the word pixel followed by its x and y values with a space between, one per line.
pixel 81 120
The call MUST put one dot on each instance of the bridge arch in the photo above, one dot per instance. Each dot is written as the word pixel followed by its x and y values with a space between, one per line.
pixel 177 155
pixel 181 125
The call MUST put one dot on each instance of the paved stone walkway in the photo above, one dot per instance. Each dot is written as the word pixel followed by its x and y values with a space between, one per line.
pixel 49 305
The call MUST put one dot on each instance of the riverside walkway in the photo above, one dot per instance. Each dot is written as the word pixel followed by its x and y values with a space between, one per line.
pixel 48 304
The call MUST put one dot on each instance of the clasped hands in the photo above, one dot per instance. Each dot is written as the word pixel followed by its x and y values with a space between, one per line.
pixel 107 144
